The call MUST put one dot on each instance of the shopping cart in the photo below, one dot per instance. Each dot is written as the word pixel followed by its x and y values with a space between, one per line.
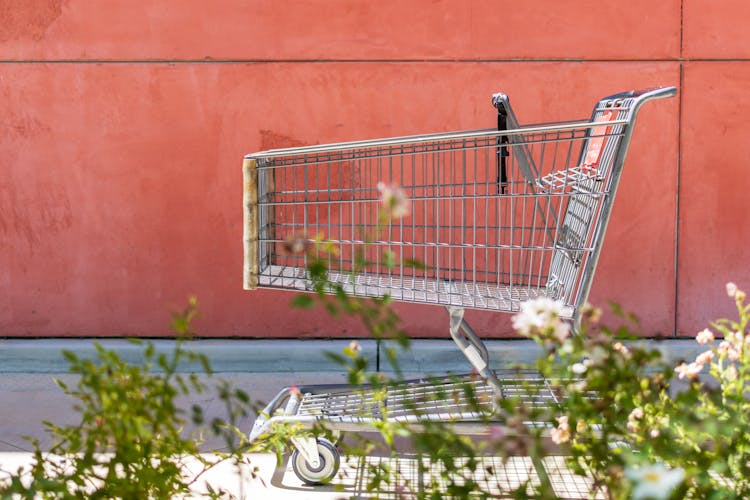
pixel 497 217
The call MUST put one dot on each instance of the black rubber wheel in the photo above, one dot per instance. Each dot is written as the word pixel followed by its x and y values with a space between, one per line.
pixel 329 464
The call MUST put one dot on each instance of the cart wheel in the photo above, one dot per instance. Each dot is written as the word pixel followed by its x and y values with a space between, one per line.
pixel 329 464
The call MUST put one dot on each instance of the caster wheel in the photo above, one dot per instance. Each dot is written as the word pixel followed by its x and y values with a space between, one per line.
pixel 325 472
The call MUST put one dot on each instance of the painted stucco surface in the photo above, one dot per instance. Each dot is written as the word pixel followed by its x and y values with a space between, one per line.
pixel 123 126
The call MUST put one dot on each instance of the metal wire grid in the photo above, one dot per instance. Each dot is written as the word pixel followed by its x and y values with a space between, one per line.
pixel 494 248
pixel 493 474
pixel 498 476
pixel 445 399
pixel 411 288
pixel 566 484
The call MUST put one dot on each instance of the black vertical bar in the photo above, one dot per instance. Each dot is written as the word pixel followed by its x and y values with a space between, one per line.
pixel 502 150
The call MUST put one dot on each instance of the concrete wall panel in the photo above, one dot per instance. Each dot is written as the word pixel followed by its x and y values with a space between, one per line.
pixel 122 187
pixel 716 30
pixel 714 187
pixel 338 29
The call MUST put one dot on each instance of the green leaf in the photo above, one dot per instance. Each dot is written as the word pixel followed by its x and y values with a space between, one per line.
pixel 414 263
pixel 303 301
pixel 389 259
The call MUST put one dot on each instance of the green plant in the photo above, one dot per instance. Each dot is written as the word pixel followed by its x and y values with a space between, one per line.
pixel 131 439
pixel 628 419
pixel 647 429
pixel 447 461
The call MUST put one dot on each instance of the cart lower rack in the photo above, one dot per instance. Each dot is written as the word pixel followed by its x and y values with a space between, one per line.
pixel 493 218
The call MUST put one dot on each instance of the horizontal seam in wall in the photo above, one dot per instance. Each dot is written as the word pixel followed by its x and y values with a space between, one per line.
pixel 364 61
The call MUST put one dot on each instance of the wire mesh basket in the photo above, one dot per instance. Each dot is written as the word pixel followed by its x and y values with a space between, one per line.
pixel 495 217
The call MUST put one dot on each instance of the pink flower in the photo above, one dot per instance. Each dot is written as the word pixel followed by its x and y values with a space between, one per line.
pixel 688 370
pixel 724 347
pixel 296 244
pixel 633 418
pixel 705 357
pixel 542 315
pixel 497 432
pixel 394 200
pixel 705 336
pixel 621 349
pixel 636 414
pixel 561 433
pixel 734 338
pixel 735 292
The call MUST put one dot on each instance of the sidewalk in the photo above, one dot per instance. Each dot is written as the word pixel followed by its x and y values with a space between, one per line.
pixel 29 396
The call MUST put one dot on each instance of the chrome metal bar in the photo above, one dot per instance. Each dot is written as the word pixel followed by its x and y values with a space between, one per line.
pixel 420 139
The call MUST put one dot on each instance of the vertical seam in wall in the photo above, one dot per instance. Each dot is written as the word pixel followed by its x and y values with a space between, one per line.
pixel 682 30
pixel 678 175
pixel 677 202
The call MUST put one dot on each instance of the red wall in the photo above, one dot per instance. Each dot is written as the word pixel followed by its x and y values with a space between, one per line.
pixel 123 126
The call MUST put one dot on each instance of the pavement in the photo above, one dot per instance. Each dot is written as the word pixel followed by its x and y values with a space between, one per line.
pixel 29 396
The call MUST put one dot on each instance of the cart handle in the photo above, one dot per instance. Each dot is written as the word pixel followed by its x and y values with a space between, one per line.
pixel 646 94
pixel 642 96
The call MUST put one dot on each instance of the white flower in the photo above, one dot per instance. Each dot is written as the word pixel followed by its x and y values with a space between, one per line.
pixel 561 433
pixel 394 200
pixel 731 337
pixel 704 358
pixel 599 356
pixel 654 433
pixel 579 386
pixel 730 373
pixel 737 338
pixel 539 315
pixel 689 370
pixel 733 355
pixel 578 368
pixel 561 331
pixel 654 481
pixel 705 336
